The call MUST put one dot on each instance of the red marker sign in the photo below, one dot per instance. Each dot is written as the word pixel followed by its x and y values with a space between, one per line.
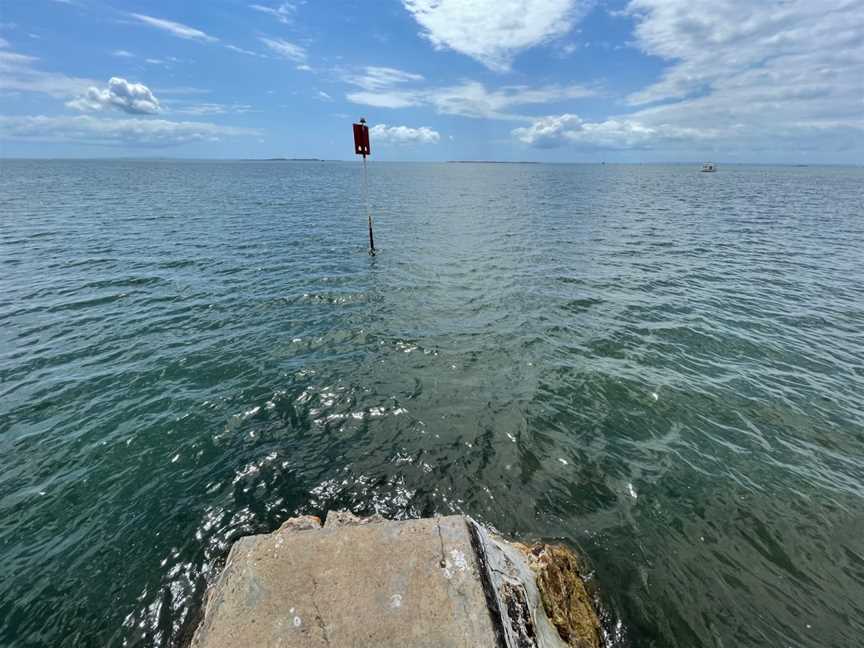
pixel 361 139
pixel 361 147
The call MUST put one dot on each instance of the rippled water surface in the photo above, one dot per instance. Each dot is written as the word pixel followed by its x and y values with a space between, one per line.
pixel 662 367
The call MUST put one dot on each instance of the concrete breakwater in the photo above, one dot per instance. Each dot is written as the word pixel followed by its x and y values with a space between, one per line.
pixel 436 582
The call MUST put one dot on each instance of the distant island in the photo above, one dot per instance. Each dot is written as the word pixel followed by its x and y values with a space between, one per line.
pixel 283 160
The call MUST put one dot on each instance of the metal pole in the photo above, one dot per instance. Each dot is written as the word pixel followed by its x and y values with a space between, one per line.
pixel 368 213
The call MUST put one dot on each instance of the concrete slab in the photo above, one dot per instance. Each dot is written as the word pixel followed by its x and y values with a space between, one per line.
pixel 407 584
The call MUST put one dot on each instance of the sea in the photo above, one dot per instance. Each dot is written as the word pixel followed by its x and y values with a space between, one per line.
pixel 659 367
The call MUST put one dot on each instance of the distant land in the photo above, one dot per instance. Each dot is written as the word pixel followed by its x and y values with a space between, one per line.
pixel 282 160
pixel 488 162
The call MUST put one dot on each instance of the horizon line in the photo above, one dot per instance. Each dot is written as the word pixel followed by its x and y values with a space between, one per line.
pixel 308 160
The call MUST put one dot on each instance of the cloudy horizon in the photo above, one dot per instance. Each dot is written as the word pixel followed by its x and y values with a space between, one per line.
pixel 534 80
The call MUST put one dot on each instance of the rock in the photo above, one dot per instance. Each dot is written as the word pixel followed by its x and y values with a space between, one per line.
pixel 514 596
pixel 568 605
pixel 387 584
pixel 302 523
pixel 440 582
pixel 345 518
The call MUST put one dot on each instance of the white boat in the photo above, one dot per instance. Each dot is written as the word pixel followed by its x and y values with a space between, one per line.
pixel 708 167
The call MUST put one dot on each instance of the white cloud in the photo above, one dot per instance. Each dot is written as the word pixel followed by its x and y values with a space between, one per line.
pixel 392 88
pixel 379 87
pixel 134 131
pixel 121 53
pixel 132 98
pixel 283 12
pixel 379 78
pixel 403 134
pixel 11 59
pixel 240 50
pixel 494 31
pixel 211 109
pixel 385 99
pixel 472 99
pixel 285 49
pixel 557 130
pixel 712 42
pixel 17 74
pixel 4 42
pixel 771 75
pixel 177 29
pixel 323 95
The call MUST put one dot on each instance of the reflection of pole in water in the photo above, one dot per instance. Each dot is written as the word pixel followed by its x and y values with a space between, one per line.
pixel 361 147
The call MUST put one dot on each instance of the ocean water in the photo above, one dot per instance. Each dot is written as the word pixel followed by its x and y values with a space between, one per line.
pixel 661 367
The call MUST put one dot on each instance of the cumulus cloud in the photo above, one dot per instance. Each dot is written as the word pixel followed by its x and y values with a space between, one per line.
pixel 136 131
pixel 494 31
pixel 384 87
pixel 132 98
pixel 285 49
pixel 403 134
pixel 174 28
pixel 740 77
pixel 553 131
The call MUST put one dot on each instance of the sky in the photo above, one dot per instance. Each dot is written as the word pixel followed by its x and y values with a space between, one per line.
pixel 776 81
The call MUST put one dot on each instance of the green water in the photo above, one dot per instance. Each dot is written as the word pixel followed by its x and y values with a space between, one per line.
pixel 662 367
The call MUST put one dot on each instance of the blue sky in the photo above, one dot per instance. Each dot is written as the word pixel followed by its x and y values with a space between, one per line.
pixel 546 80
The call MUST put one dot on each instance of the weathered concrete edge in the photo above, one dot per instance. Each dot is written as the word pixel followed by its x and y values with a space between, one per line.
pixel 510 574
pixel 512 586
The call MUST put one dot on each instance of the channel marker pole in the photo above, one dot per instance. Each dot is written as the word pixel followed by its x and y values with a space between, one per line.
pixel 361 147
